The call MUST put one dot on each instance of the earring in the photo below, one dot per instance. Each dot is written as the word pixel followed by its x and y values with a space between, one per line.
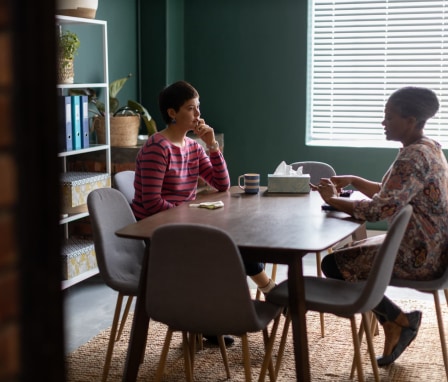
pixel 173 121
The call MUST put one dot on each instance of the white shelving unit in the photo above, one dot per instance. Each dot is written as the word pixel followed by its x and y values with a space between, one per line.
pixel 100 27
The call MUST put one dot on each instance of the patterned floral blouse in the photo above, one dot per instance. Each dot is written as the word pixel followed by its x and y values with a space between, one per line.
pixel 419 176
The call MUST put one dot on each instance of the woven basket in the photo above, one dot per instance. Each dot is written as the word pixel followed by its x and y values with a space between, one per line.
pixel 123 130
pixel 66 73
pixel 77 8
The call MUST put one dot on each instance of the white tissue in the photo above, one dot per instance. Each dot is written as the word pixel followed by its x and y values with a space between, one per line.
pixel 209 205
pixel 284 169
pixel 287 180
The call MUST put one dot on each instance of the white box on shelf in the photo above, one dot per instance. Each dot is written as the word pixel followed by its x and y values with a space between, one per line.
pixel 77 185
pixel 78 256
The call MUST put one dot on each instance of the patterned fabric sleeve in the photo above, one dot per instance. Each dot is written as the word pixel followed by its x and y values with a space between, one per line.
pixel 214 171
pixel 419 176
pixel 404 180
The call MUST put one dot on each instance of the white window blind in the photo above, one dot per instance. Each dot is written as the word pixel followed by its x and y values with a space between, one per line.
pixel 363 50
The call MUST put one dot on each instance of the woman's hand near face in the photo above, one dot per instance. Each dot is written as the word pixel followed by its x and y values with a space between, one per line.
pixel 205 132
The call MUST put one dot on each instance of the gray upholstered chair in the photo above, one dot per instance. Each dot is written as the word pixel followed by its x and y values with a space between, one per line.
pixel 124 182
pixel 197 284
pixel 345 299
pixel 431 286
pixel 119 260
pixel 317 170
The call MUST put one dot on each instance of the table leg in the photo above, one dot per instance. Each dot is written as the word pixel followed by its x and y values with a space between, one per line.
pixel 139 331
pixel 298 315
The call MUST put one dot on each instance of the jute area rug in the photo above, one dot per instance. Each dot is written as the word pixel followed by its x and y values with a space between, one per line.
pixel 330 357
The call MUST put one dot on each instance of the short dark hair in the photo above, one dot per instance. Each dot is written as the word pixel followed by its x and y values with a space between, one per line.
pixel 411 101
pixel 174 96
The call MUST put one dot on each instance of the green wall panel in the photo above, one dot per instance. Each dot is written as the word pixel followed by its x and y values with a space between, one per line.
pixel 153 54
pixel 121 17
pixel 248 61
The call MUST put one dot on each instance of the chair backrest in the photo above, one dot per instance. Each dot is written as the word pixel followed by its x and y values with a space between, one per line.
pixel 317 170
pixel 124 182
pixel 119 259
pixel 196 281
pixel 382 267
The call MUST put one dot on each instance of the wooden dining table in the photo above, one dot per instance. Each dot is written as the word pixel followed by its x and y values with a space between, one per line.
pixel 271 228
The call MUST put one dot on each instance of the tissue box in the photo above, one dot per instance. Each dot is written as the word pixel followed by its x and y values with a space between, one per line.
pixel 78 256
pixel 295 184
pixel 77 185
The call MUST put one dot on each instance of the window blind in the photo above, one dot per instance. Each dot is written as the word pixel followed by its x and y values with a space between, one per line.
pixel 363 50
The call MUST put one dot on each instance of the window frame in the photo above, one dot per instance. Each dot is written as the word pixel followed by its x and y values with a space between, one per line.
pixel 348 109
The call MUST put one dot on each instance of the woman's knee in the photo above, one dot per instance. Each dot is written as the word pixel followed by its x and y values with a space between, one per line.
pixel 253 268
pixel 330 268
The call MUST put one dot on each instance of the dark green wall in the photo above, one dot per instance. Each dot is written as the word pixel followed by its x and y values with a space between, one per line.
pixel 251 79
pixel 154 46
pixel 121 19
pixel 248 61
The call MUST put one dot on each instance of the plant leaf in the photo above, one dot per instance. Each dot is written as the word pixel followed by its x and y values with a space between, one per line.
pixel 117 85
pixel 149 121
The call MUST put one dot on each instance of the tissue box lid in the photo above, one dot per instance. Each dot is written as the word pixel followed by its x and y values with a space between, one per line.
pixel 296 184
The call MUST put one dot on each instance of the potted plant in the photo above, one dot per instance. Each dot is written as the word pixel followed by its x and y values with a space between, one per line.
pixel 124 121
pixel 68 45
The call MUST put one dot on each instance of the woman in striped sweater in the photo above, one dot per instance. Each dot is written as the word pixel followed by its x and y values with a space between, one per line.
pixel 169 164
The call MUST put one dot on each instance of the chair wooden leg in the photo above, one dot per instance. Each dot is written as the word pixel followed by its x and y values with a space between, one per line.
pixel 269 345
pixel 192 348
pixel 318 264
pixel 187 358
pixel 274 272
pixel 360 335
pixel 281 347
pixel 446 295
pixel 441 330
pixel 367 324
pixel 200 342
pixel 373 329
pixel 374 326
pixel 319 274
pixel 113 331
pixel 222 348
pixel 246 358
pixel 356 345
pixel 124 316
pixel 163 355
